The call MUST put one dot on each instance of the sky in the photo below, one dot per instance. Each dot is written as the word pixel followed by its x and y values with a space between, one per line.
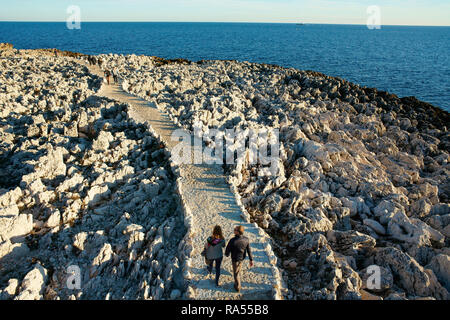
pixel 393 12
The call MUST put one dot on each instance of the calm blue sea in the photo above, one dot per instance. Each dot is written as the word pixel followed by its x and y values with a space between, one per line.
pixel 407 61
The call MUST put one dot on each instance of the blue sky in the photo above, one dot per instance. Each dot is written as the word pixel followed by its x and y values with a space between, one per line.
pixel 394 12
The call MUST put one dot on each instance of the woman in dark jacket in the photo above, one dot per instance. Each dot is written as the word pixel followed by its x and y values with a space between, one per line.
pixel 214 251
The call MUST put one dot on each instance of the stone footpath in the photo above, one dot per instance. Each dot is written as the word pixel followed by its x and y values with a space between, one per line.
pixel 208 201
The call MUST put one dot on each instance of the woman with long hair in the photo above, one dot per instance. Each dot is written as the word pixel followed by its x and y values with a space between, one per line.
pixel 214 251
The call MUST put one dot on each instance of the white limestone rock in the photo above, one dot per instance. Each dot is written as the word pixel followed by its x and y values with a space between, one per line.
pixel 13 251
pixel 10 291
pixel 54 219
pixel 12 210
pixel 103 258
pixel 103 141
pixel 33 285
pixel 15 227
pixel 96 195
pixel 375 226
pixel 440 264
pixel 350 242
pixel 413 278
pixel 10 198
pixel 49 166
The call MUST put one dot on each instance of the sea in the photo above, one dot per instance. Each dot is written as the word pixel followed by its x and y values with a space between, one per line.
pixel 406 61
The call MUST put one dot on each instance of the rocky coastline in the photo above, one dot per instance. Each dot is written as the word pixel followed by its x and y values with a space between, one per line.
pixel 81 186
pixel 363 178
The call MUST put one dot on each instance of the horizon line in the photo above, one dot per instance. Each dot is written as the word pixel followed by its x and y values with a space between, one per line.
pixel 249 22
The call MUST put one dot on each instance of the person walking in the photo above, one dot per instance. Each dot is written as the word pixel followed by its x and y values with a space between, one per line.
pixel 214 251
pixel 107 75
pixel 238 247
pixel 100 62
pixel 115 75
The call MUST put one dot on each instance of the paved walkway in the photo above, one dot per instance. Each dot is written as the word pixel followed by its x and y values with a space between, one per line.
pixel 211 202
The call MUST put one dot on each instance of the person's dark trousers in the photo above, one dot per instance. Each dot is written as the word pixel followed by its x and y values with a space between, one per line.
pixel 218 263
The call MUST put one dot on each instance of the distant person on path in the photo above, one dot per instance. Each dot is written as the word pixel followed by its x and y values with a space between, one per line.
pixel 115 75
pixel 214 251
pixel 100 62
pixel 238 247
pixel 107 75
